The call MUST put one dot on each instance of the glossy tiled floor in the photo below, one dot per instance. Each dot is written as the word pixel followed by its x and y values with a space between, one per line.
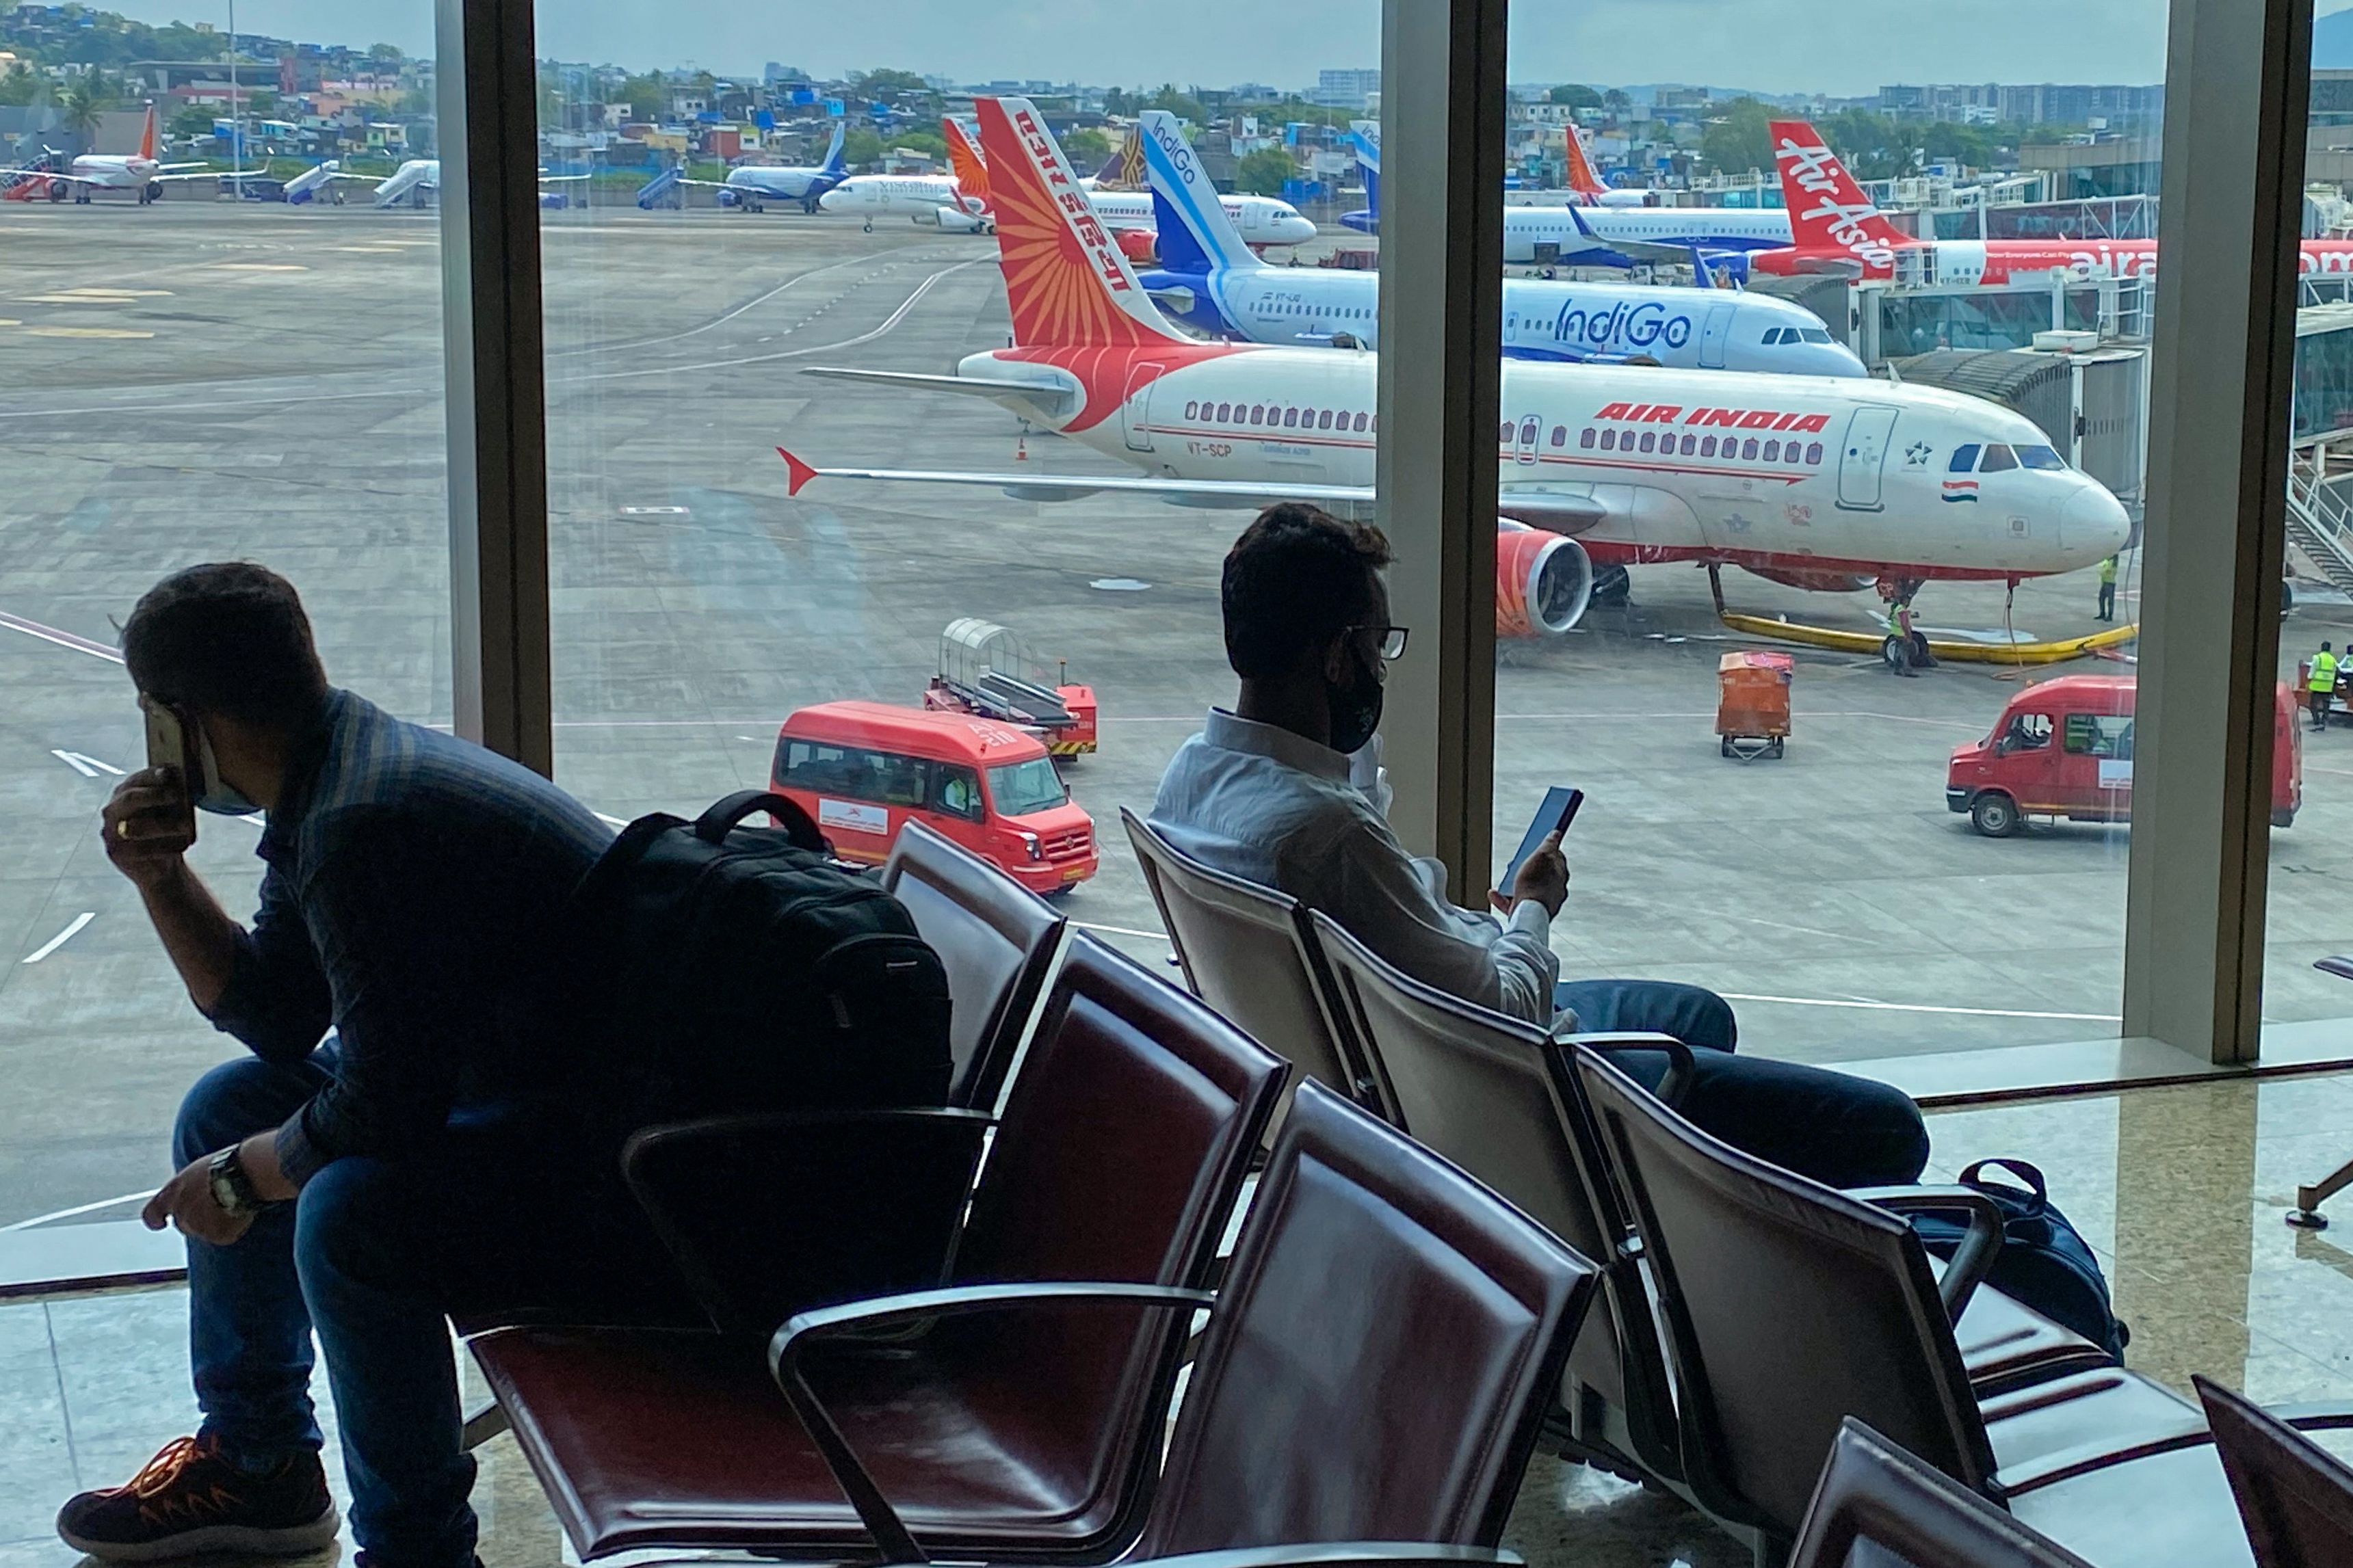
pixel 2180 1190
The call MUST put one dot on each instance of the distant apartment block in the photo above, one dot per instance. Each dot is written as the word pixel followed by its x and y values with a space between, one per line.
pixel 2027 103
pixel 1346 89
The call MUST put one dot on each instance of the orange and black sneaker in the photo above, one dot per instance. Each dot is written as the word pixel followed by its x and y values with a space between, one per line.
pixel 189 1498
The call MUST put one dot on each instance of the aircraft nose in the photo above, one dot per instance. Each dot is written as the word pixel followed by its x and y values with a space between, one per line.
pixel 2094 522
pixel 834 200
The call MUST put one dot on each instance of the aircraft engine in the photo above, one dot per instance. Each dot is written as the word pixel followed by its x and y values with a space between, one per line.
pixel 1136 245
pixel 1543 581
pixel 955 220
pixel 1813 582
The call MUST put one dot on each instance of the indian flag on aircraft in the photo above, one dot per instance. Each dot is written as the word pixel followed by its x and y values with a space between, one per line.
pixel 1960 490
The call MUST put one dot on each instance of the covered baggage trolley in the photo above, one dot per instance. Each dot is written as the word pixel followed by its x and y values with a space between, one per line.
pixel 987 669
pixel 1752 704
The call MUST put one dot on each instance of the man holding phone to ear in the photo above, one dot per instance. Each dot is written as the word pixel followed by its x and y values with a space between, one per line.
pixel 423 1160
pixel 1285 791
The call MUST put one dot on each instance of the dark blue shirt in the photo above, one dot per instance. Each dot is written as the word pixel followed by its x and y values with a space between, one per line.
pixel 415 888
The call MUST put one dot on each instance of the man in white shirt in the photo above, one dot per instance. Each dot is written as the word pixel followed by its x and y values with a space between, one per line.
pixel 1285 791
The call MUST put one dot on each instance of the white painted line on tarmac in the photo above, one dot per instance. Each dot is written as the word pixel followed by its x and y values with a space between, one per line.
pixel 1918 1007
pixel 1123 931
pixel 88 766
pixel 81 1209
pixel 63 639
pixel 62 938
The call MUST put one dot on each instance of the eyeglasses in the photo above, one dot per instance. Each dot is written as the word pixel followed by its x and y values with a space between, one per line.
pixel 1387 641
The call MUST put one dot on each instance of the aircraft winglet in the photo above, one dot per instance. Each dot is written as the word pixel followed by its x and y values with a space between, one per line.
pixel 796 473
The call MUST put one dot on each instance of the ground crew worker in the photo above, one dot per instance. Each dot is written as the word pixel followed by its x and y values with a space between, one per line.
pixel 2322 685
pixel 1903 648
pixel 2107 589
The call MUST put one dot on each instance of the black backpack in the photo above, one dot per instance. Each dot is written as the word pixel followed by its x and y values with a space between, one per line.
pixel 729 969
pixel 2044 1262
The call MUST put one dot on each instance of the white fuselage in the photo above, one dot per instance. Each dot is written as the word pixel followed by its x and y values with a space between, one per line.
pixel 1691 329
pixel 116 172
pixel 1263 220
pixel 1801 471
pixel 775 180
pixel 1747 227
pixel 891 196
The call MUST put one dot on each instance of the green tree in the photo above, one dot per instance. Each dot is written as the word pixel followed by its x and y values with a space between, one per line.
pixel 1616 101
pixel 648 96
pixel 21 86
pixel 1263 173
pixel 1573 96
pixel 384 52
pixel 931 144
pixel 78 108
pixel 1087 146
pixel 1738 139
pixel 861 147
pixel 882 83
pixel 1182 105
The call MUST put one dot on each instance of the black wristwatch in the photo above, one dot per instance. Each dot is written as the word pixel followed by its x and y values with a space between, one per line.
pixel 232 1188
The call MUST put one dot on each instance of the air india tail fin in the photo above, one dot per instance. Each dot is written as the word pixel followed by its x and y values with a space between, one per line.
pixel 965 163
pixel 1581 177
pixel 1827 211
pixel 1065 279
pixel 147 136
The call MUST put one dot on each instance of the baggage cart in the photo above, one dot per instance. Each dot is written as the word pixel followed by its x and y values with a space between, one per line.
pixel 1752 704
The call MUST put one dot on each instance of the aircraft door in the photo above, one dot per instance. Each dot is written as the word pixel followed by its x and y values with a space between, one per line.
pixel 1711 335
pixel 1862 455
pixel 1136 413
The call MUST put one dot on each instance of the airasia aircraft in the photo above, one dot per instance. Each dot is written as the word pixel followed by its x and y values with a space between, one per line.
pixel 1835 228
pixel 1810 480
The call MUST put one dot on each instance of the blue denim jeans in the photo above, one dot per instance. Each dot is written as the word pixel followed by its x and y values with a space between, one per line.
pixel 1839 1129
pixel 376 1255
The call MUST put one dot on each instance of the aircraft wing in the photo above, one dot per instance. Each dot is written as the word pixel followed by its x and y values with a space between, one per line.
pixel 215 174
pixel 15 174
pixel 1657 255
pixel 171 168
pixel 558 179
pixel 1045 397
pixel 1556 513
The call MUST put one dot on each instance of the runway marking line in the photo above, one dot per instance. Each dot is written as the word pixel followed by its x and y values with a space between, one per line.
pixel 79 1209
pixel 84 332
pixel 59 939
pixel 1920 1008
pixel 63 639
pixel 88 766
pixel 259 267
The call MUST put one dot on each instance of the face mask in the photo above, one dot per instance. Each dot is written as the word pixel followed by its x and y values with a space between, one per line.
pixel 1356 706
pixel 217 794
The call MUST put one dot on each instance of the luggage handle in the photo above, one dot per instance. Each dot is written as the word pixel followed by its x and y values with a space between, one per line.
pixel 714 826
pixel 2023 1170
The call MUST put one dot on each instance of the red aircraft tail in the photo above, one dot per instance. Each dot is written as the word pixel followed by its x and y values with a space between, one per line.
pixel 147 136
pixel 1581 177
pixel 965 163
pixel 1065 279
pixel 1827 211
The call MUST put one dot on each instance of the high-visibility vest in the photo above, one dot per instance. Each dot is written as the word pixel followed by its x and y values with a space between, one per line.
pixel 2109 570
pixel 2323 672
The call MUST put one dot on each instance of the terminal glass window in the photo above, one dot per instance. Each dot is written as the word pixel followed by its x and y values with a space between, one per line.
pixel 738 258
pixel 1889 853
pixel 215 352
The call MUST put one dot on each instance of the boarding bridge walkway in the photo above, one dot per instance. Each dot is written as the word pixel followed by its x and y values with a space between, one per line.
pixel 2319 510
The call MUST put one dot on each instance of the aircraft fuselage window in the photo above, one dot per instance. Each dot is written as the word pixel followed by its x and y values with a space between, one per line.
pixel 1772 451
pixel 1360 421
pixel 1291 418
pixel 1748 450
pixel 1647 440
pixel 1609 441
pixel 1192 409
pixel 1561 435
pixel 1585 438
pixel 1814 452
pixel 1708 446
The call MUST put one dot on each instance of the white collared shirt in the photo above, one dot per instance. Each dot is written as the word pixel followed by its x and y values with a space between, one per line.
pixel 1259 802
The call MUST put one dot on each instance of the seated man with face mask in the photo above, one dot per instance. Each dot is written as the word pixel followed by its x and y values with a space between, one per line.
pixel 1285 790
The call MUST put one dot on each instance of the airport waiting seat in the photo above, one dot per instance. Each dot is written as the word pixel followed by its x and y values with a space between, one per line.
pixel 1873 1493
pixel 1245 949
pixel 1788 1306
pixel 1495 1095
pixel 1119 1156
pixel 995 939
pixel 2295 1498
pixel 1370 1384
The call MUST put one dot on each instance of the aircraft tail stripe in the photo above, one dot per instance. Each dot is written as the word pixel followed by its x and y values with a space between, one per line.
pixel 1827 211
pixel 1066 282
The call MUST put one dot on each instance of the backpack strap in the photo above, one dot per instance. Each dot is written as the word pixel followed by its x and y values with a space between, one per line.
pixel 712 826
pixel 2025 1171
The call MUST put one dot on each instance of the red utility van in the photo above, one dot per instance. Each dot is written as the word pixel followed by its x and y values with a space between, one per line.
pixel 2064 748
pixel 864 770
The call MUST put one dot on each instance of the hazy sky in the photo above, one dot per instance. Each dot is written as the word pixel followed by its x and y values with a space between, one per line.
pixel 1778 46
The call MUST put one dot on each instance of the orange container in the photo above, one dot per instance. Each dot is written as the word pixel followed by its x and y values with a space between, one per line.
pixel 1751 701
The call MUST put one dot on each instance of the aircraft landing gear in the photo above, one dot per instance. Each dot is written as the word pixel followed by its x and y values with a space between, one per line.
pixel 809 205
pixel 869 226
pixel 1905 650
pixel 154 193
pixel 1613 588
pixel 57 190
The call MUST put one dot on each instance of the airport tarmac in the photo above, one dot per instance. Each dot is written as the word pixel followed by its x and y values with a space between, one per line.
pixel 196 380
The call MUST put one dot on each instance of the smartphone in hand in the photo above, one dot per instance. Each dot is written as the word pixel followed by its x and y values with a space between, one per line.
pixel 167 747
pixel 1558 810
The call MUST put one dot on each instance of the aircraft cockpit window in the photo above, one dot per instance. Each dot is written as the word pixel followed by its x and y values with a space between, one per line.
pixel 1997 459
pixel 2041 458
pixel 1964 458
pixel 1815 334
pixel 1775 335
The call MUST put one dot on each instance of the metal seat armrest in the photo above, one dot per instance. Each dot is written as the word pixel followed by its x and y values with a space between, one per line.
pixel 1974 1259
pixel 789 1343
pixel 1671 1088
pixel 764 1214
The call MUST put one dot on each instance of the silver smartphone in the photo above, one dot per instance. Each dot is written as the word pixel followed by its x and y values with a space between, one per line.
pixel 167 747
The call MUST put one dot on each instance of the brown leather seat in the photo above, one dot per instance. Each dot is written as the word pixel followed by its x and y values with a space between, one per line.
pixel 1789 1306
pixel 997 940
pixel 1246 951
pixel 2295 1497
pixel 1496 1095
pixel 1873 1492
pixel 1375 1370
pixel 1121 1153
